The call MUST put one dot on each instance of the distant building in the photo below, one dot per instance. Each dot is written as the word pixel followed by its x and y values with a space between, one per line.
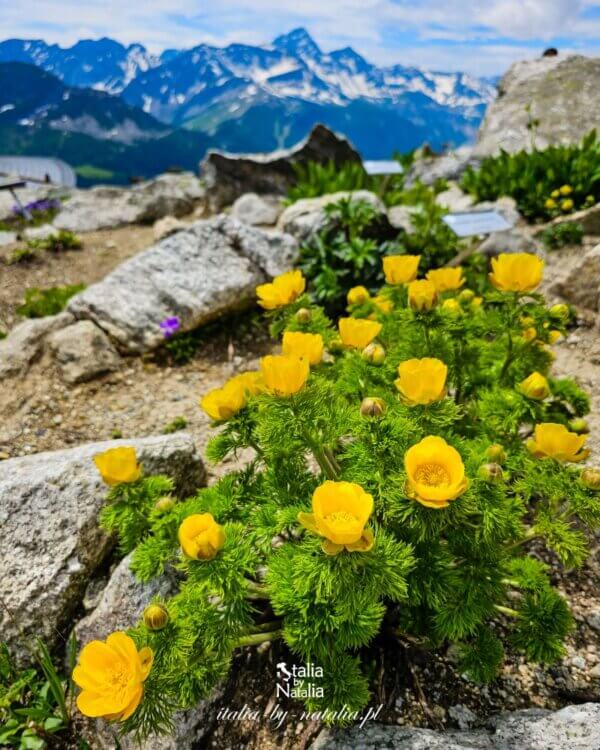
pixel 38 169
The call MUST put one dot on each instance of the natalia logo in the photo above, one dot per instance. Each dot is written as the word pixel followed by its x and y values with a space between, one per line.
pixel 296 681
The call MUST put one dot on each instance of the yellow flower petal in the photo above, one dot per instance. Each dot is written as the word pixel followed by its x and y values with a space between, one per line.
pixel 516 272
pixel 400 269
pixel 357 332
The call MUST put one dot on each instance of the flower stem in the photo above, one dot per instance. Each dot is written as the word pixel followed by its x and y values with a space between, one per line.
pixel 256 591
pixel 255 639
pixel 507 610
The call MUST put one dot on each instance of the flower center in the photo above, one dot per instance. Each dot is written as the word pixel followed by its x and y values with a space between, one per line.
pixel 341 519
pixel 119 676
pixel 433 475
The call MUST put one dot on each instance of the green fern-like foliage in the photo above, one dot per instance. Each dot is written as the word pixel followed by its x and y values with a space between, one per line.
pixel 463 573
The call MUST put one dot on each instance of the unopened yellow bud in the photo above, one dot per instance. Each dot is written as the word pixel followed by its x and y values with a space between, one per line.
pixel 374 354
pixel 303 315
pixel 492 473
pixel 496 453
pixel 451 305
pixel 156 616
pixel 466 296
pixel 535 386
pixel 591 479
pixel 579 425
pixel 372 407
pixel 336 345
pixel 164 504
pixel 559 312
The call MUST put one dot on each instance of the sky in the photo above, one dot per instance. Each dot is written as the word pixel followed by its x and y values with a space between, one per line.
pixel 479 36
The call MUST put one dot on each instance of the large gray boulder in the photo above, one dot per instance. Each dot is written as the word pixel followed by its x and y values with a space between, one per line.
pixel 306 217
pixel 50 540
pixel 560 93
pixel 106 207
pixel 581 283
pixel 25 342
pixel 197 275
pixel 572 728
pixel 228 176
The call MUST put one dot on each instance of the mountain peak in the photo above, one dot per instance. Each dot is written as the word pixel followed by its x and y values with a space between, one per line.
pixel 297 42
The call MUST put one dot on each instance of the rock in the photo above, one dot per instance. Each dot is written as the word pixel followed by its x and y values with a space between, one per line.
pixel 573 727
pixel 544 90
pixel 449 166
pixel 454 199
pixel 25 342
pixel 306 217
pixel 198 274
pixel 50 540
pixel 257 210
pixel 581 285
pixel 510 241
pixel 40 233
pixel 228 176
pixel 83 352
pixel 463 716
pixel 400 217
pixel 589 218
pixel 109 207
pixel 593 619
pixel 167 226
pixel 7 238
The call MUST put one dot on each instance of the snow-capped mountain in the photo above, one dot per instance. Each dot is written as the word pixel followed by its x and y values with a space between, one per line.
pixel 241 97
pixel 101 64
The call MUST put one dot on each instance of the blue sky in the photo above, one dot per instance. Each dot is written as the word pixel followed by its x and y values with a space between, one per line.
pixel 480 36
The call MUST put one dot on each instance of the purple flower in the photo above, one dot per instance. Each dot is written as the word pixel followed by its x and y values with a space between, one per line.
pixel 42 205
pixel 170 326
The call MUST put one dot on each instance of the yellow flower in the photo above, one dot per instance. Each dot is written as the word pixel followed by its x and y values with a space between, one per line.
pixel 111 676
pixel 118 465
pixel 553 440
pixel 200 536
pixel 223 403
pixel 421 295
pixel 357 332
pixel 422 381
pixel 384 304
pixel 550 203
pixel 400 269
pixel 566 190
pixel 435 472
pixel 535 386
pixel 281 291
pixel 451 305
pixel 284 374
pixel 357 295
pixel 567 205
pixel 554 336
pixel 340 513
pixel 446 279
pixel 304 345
pixel 526 321
pixel 529 334
pixel 555 193
pixel 516 272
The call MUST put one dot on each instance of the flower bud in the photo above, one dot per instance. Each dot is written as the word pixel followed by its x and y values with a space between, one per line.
pixel 164 504
pixel 579 425
pixel 156 616
pixel 492 473
pixel 535 387
pixel 374 354
pixel 358 295
pixel 466 296
pixel 591 479
pixel 526 321
pixel 451 305
pixel 336 345
pixel 304 315
pixel 496 453
pixel 559 312
pixel 372 407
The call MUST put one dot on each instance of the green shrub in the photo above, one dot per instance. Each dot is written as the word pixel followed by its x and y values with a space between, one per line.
pixel 23 255
pixel 427 482
pixel 315 179
pixel 534 179
pixel 559 235
pixel 39 303
pixel 57 243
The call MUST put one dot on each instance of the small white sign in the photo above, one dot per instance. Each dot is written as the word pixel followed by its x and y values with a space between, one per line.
pixel 469 223
pixel 382 167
